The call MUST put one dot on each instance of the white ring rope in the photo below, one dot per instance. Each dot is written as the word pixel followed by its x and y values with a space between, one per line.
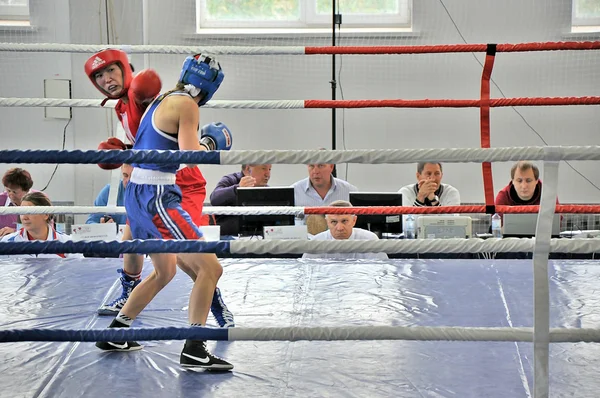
pixel 399 156
pixel 412 246
pixel 210 210
pixel 422 333
pixel 56 102
pixel 541 285
pixel 62 210
pixel 255 104
pixel 154 49
pixel 97 103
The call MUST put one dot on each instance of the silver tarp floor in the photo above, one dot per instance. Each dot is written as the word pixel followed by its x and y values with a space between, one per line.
pixel 48 293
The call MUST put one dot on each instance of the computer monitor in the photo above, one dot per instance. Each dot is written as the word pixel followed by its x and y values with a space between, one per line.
pixel 378 224
pixel 264 196
pixel 522 225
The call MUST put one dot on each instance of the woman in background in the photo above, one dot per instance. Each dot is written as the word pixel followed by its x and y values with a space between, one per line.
pixel 17 183
pixel 36 227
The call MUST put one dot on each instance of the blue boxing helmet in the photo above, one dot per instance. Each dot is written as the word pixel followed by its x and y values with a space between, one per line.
pixel 204 73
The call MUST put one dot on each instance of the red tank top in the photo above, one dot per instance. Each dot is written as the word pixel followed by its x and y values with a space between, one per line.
pixel 129 115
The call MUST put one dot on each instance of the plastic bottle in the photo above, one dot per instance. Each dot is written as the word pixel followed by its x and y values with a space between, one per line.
pixel 496 226
pixel 409 227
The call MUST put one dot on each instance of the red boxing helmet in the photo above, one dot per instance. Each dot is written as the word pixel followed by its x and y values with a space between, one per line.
pixel 106 58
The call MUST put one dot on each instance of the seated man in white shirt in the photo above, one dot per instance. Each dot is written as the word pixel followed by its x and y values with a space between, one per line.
pixel 429 190
pixel 341 227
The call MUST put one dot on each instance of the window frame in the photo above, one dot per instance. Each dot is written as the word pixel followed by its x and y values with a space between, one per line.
pixel 14 12
pixel 583 23
pixel 309 19
pixel 403 19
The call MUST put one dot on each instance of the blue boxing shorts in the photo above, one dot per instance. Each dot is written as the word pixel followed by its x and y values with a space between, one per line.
pixel 155 212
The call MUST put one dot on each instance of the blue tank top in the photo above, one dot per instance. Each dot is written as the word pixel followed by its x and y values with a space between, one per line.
pixel 150 137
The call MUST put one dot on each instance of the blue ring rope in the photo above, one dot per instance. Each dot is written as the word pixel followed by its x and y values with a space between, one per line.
pixel 132 246
pixel 109 156
pixel 114 334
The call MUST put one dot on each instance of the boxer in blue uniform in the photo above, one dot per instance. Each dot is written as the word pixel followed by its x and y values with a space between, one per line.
pixel 153 203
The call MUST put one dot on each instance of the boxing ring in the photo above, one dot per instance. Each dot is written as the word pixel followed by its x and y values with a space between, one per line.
pixel 362 319
pixel 483 306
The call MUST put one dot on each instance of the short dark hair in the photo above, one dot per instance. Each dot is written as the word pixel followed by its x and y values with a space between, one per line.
pixel 524 166
pixel 421 166
pixel 38 199
pixel 19 177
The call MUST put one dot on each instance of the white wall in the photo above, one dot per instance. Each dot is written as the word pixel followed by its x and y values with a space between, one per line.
pixel 23 75
pixel 307 77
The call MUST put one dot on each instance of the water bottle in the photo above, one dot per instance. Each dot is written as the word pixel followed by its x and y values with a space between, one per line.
pixel 496 226
pixel 409 227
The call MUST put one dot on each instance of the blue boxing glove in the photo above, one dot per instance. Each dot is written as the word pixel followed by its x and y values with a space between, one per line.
pixel 216 137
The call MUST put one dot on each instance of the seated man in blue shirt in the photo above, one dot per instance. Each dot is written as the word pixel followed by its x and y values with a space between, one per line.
pixel 321 188
pixel 102 200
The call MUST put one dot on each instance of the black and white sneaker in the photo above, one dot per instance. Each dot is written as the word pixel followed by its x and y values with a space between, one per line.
pixel 195 355
pixel 119 346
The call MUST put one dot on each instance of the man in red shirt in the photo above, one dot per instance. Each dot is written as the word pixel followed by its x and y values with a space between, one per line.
pixel 525 187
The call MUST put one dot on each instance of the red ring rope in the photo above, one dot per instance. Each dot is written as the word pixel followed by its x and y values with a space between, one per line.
pixel 484 103
pixel 453 48
pixel 484 114
pixel 450 103
pixel 393 210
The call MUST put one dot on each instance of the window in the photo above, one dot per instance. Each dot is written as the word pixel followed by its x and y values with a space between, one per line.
pixel 301 13
pixel 586 15
pixel 14 12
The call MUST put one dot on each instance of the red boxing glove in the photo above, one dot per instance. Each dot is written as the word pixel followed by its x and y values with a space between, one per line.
pixel 145 86
pixel 111 143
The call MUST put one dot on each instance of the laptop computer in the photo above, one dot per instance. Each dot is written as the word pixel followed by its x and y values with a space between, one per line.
pixel 523 225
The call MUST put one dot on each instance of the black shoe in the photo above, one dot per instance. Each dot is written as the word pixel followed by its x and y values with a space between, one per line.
pixel 119 346
pixel 195 355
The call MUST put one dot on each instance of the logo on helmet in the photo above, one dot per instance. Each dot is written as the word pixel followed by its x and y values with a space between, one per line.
pixel 227 136
pixel 97 62
pixel 199 71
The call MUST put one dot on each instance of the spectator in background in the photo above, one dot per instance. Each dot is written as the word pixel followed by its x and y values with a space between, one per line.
pixel 429 190
pixel 525 187
pixel 37 226
pixel 225 193
pixel 341 227
pixel 102 200
pixel 320 188
pixel 17 183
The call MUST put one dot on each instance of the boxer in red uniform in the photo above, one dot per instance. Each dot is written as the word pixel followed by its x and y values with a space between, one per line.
pixel 110 71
